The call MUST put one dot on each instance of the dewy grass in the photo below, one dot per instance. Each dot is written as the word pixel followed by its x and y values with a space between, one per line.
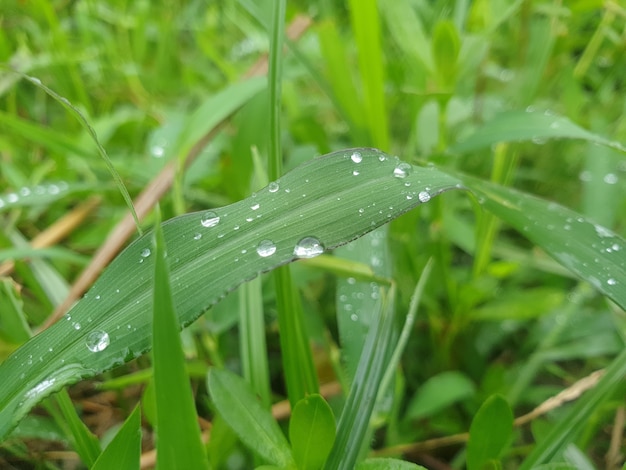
pixel 521 302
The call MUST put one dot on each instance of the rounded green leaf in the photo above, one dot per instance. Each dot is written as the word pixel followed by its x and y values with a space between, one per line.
pixel 490 432
pixel 312 432
pixel 252 423
pixel 439 392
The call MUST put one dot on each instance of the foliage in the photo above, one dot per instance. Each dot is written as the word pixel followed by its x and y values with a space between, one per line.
pixel 512 109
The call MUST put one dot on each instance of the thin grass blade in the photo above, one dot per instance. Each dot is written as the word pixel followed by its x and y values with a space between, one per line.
pixel 179 444
pixel 124 451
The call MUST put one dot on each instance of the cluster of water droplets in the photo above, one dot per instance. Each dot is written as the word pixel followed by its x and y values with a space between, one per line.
pixel 23 194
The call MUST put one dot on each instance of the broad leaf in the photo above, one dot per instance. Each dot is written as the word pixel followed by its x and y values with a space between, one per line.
pixel 490 432
pixel 253 424
pixel 529 126
pixel 320 205
pixel 311 432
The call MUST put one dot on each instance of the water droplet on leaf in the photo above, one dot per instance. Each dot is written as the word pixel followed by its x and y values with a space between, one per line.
pixel 356 157
pixel 424 196
pixel 266 248
pixel 308 247
pixel 210 219
pixel 402 170
pixel 98 341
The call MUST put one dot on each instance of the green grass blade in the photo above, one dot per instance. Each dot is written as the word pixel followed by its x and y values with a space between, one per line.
pixel 216 249
pixel 589 250
pixel 103 153
pixel 124 451
pixel 355 417
pixel 387 464
pixel 568 428
pixel 179 443
pixel 252 340
pixel 366 25
pixel 490 432
pixel 210 254
pixel 530 125
pixel 300 375
pixel 255 425
pixel 84 442
pixel 15 327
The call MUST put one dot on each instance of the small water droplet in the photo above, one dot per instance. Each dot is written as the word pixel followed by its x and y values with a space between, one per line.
pixel 145 252
pixel 356 173
pixel 354 317
pixel 356 157
pixel 610 178
pixel 273 187
pixel 197 236
pixel 210 219
pixel 76 325
pixel 402 170
pixel 424 196
pixel 308 247
pixel 98 341
pixel 266 248
pixel 255 206
pixel 611 282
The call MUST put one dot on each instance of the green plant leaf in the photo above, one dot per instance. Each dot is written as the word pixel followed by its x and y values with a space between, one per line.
pixel 490 432
pixel 179 444
pixel 446 45
pixel 124 451
pixel 210 253
pixel 254 424
pixel 85 443
pixel 311 432
pixel 439 392
pixel 13 324
pixel 515 126
pixel 355 417
pixel 387 464
pixel 586 248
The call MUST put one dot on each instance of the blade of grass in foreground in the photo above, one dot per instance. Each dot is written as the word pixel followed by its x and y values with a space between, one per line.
pixel 320 205
pixel 179 444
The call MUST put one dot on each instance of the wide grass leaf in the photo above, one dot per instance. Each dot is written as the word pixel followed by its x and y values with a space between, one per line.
pixel 586 248
pixel 252 423
pixel 179 444
pixel 320 205
pixel 515 126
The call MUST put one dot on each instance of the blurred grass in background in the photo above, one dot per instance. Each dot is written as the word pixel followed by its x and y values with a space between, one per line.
pixel 413 78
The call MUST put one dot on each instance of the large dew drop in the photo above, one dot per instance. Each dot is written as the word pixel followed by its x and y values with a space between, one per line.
pixel 356 157
pixel 402 170
pixel 210 219
pixel 266 248
pixel 308 247
pixel 98 341
pixel 424 196
pixel 273 187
